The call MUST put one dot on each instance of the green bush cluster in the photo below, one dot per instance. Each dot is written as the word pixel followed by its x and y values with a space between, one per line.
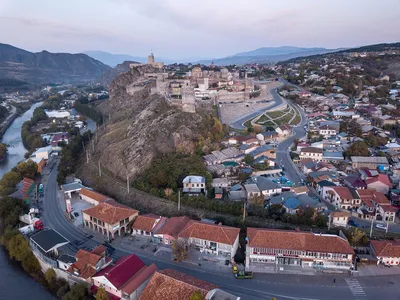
pixel 89 111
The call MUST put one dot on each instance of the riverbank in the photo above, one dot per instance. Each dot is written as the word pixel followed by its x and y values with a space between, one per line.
pixel 11 272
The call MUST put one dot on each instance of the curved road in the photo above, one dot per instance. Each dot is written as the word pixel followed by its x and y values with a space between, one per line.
pixel 238 124
pixel 263 286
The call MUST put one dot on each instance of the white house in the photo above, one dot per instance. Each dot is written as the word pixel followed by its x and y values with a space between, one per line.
pixel 194 185
pixel 387 252
pixel 266 186
pixel 339 218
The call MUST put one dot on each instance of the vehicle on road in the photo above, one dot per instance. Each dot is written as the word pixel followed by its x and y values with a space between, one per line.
pixel 244 275
pixel 41 188
pixel 380 226
pixel 353 223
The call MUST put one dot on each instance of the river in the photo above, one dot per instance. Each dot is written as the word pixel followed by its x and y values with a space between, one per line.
pixel 14 282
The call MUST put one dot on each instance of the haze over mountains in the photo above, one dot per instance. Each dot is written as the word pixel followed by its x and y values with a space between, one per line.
pixel 45 67
pixel 260 55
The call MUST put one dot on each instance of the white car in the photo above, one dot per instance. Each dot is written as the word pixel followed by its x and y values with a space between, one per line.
pixel 380 226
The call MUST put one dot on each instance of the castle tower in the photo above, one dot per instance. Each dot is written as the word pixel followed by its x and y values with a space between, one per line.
pixel 150 59
pixel 188 99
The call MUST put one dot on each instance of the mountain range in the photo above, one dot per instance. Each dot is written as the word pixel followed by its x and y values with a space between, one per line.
pixel 45 67
pixel 260 55
pixel 268 55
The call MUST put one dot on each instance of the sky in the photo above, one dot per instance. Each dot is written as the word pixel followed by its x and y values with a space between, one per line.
pixel 195 29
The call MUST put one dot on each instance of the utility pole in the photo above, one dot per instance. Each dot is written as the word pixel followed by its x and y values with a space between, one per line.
pixel 99 169
pixel 93 146
pixel 87 157
pixel 372 225
pixel 83 145
pixel 179 200
pixel 127 182
pixel 329 221
pixel 244 211
pixel 387 226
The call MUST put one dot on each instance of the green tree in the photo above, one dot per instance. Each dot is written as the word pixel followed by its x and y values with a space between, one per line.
pixel 18 249
pixel 356 237
pixel 3 148
pixel 102 294
pixel 8 182
pixel 196 295
pixel 27 169
pixel 248 159
pixel 358 148
pixel 179 250
pixel 77 292
pixel 50 276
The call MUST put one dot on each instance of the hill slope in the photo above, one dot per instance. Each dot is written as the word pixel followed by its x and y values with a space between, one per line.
pixel 46 67
pixel 109 75
pixel 142 125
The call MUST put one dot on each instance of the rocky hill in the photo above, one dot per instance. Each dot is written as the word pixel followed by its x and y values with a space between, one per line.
pixel 140 127
pixel 109 75
pixel 45 67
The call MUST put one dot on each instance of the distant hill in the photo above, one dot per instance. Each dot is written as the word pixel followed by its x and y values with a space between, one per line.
pixel 45 67
pixel 268 55
pixel 368 48
pixel 114 59
pixel 109 75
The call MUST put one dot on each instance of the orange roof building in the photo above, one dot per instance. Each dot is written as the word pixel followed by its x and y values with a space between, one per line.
pixel 210 238
pixel 88 263
pixel 109 218
pixel 268 247
pixel 387 252
pixel 93 197
pixel 173 285
pixel 147 224
pixel 170 230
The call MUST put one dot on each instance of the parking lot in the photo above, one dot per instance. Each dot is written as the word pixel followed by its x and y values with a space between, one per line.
pixel 78 206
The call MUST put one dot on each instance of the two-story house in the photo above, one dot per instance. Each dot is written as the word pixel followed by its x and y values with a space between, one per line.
pixel 213 239
pixel 125 279
pixel 339 218
pixel 387 252
pixel 341 197
pixel 268 250
pixel 148 225
pixel 376 205
pixel 194 185
pixel 89 263
pixel 380 183
pixel 266 186
pixel 312 153
pixel 327 130
pixel 109 218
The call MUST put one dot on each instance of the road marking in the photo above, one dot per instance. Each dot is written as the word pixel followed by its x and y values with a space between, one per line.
pixel 355 288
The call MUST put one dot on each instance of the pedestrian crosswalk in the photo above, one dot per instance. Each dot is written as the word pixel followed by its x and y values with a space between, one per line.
pixel 355 288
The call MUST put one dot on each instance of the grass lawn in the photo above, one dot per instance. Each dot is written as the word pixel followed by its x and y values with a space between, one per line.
pixel 285 119
pixel 262 119
pixel 278 113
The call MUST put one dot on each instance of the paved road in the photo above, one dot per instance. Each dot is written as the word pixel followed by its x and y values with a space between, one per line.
pixel 238 124
pixel 263 286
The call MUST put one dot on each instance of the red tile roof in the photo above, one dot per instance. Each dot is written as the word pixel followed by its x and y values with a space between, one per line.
pixel 371 195
pixel 110 212
pixel 294 240
pixel 146 222
pixel 383 178
pixel 86 262
pixel 94 195
pixel 386 248
pixel 122 270
pixel 138 279
pixel 210 232
pixel 343 192
pixel 173 285
pixel 174 225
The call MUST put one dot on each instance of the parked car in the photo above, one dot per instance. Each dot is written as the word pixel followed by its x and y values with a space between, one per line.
pixel 352 223
pixel 380 226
